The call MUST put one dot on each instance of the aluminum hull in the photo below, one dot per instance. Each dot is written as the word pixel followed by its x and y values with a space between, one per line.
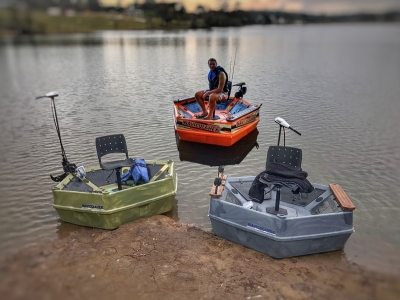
pixel 313 222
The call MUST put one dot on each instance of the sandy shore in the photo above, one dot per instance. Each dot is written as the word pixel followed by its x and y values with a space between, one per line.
pixel 155 258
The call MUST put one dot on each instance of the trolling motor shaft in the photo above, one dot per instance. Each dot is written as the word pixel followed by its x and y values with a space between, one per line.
pixel 68 167
pixel 277 210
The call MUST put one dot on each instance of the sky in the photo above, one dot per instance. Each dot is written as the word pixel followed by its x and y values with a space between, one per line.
pixel 306 6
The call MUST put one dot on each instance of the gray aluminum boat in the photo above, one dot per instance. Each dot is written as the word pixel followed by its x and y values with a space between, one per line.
pixel 281 222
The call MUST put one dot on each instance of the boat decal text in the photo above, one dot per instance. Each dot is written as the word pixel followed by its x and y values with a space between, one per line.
pixel 246 120
pixel 90 206
pixel 261 228
pixel 212 128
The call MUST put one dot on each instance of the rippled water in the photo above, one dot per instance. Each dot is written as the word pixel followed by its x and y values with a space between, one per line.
pixel 336 84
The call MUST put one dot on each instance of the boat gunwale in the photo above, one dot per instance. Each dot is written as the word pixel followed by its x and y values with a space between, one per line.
pixel 102 191
pixel 173 178
pixel 223 121
pixel 303 209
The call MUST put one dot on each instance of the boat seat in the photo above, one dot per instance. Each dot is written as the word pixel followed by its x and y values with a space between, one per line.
pixel 285 155
pixel 113 144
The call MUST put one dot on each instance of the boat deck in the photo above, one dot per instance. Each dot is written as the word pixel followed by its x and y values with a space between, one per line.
pixel 319 201
pixel 101 178
pixel 225 111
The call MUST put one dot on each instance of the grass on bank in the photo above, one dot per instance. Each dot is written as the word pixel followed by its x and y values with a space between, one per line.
pixel 32 22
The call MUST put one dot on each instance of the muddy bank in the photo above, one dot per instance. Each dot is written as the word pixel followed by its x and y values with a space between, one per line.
pixel 156 258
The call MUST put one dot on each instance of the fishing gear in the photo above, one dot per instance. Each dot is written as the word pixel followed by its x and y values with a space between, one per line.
pixel 234 61
pixel 233 71
pixel 69 168
pixel 242 89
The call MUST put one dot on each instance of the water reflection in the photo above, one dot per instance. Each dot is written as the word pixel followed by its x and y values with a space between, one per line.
pixel 64 229
pixel 145 38
pixel 212 155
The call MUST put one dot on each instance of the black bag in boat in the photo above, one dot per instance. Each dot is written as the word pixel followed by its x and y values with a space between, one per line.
pixel 291 176
pixel 256 191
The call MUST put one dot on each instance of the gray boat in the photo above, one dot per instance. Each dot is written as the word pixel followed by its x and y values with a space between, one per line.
pixel 279 213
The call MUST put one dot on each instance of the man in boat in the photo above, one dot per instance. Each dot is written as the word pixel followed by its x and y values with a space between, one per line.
pixel 217 90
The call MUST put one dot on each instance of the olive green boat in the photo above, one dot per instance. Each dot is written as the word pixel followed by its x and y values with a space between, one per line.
pixel 98 197
pixel 96 202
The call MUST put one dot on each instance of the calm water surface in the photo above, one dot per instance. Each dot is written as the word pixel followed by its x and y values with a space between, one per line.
pixel 339 85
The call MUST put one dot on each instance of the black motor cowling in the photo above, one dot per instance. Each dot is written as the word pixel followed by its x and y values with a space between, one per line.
pixel 241 91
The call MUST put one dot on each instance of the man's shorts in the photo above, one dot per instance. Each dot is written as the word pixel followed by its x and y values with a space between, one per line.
pixel 221 96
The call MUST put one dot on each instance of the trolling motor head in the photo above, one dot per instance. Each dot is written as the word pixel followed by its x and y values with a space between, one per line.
pixel 284 124
pixel 67 166
pixel 50 95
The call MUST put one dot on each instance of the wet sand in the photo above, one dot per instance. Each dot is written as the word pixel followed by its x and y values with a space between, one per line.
pixel 155 258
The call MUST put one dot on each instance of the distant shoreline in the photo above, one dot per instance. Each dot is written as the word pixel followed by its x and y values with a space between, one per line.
pixel 31 22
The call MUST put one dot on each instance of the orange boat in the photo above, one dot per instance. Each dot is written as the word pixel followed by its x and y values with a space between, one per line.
pixel 234 118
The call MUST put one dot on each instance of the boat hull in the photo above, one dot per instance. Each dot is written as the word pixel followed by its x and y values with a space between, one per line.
pixel 108 208
pixel 277 248
pixel 234 120
pixel 317 225
pixel 220 139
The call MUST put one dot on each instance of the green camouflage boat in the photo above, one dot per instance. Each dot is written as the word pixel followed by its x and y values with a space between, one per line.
pixel 98 197
pixel 95 201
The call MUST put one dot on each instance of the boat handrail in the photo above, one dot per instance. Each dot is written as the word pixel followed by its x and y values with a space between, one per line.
pixel 243 112
pixel 182 99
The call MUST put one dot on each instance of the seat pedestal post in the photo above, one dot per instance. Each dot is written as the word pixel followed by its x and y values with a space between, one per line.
pixel 276 210
pixel 118 171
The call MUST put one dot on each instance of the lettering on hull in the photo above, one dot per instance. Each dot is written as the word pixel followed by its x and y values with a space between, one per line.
pixel 247 120
pixel 261 228
pixel 201 126
pixel 90 206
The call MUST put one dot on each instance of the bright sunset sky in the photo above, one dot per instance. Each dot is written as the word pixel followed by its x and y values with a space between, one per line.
pixel 307 6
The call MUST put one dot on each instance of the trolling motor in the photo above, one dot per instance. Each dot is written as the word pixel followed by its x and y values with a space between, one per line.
pixel 241 90
pixel 276 209
pixel 69 168
pixel 283 124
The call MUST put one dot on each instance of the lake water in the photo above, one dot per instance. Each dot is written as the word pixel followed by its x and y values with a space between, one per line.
pixel 339 85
